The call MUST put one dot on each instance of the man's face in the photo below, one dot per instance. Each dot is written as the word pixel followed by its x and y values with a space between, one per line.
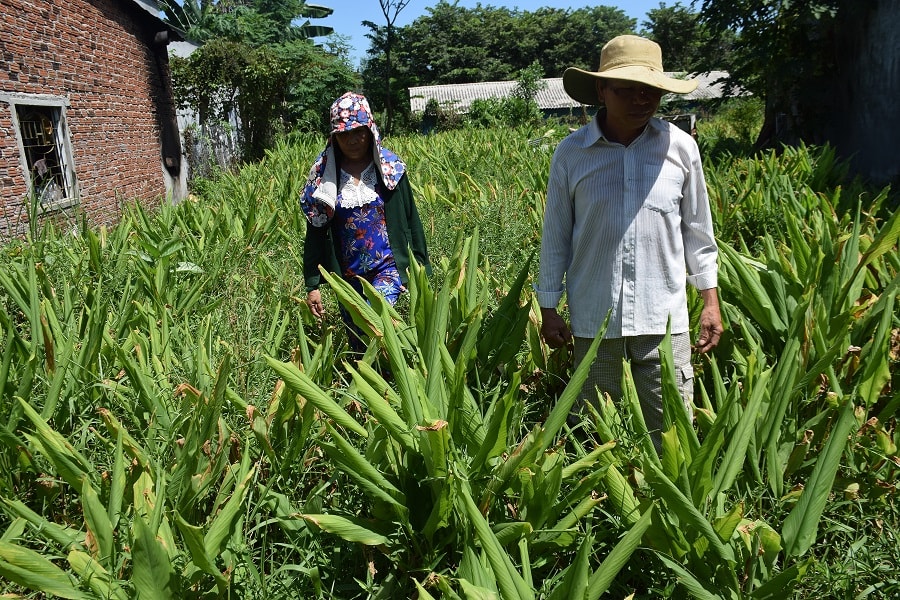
pixel 628 103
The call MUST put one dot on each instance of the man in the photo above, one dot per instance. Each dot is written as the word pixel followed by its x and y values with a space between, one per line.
pixel 627 225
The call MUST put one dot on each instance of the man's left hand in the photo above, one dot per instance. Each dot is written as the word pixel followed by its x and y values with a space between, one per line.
pixel 710 322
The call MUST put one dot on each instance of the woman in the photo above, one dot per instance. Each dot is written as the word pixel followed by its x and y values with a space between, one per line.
pixel 362 220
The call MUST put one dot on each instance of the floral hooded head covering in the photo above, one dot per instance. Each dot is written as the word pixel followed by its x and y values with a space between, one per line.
pixel 320 192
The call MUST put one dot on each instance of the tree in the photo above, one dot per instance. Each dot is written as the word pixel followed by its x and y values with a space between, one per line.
pixel 391 10
pixel 258 62
pixel 199 17
pixel 452 44
pixel 687 43
pixel 255 22
pixel 818 63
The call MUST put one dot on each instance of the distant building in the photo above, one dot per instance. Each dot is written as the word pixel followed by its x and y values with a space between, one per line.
pixel 87 116
pixel 552 99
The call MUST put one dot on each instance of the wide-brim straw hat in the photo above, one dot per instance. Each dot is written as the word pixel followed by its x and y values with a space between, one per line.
pixel 628 58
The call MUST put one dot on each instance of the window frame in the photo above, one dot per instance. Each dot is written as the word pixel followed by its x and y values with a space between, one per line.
pixel 62 139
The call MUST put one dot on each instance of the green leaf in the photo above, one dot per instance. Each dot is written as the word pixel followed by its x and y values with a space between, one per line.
pixel 300 383
pixel 780 586
pixel 689 516
pixel 348 528
pixel 97 522
pixel 224 523
pixel 153 575
pixel 877 363
pixel 354 464
pixel 688 580
pixel 382 410
pixel 606 573
pixel 575 581
pixel 31 570
pixel 193 539
pixel 739 437
pixel 512 585
pixel 69 463
pixel 63 536
pixel 800 526
pixel 96 577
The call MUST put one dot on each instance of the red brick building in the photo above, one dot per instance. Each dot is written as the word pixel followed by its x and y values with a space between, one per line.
pixel 87 119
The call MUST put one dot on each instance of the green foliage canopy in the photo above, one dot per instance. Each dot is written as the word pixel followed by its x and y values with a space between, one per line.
pixel 785 53
pixel 259 63
pixel 453 44
pixel 688 43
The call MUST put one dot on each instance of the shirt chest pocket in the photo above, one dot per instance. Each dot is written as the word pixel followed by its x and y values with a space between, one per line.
pixel 663 184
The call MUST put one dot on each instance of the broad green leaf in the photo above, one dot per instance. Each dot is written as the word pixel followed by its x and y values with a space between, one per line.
pixel 193 539
pixel 363 315
pixel 434 443
pixel 511 584
pixel 96 577
pixel 300 383
pixel 383 411
pixel 588 460
pixel 117 484
pixel 98 525
pixel 355 465
pixel 153 574
pixel 224 523
pixel 69 463
pixel 696 588
pixel 471 591
pixel 689 516
pixel 31 570
pixel 129 444
pixel 63 536
pixel 632 404
pixel 756 299
pixel 674 412
pixel 739 438
pixel 877 370
pixel 348 528
pixel 422 593
pixel 574 584
pixel 572 392
pixel 780 585
pixel 620 493
pixel 727 523
pixel 800 526
pixel 605 574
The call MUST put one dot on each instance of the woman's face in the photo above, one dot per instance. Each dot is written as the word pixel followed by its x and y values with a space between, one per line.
pixel 355 144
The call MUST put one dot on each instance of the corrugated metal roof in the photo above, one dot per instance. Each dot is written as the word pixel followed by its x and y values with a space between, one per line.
pixel 552 96
pixel 151 6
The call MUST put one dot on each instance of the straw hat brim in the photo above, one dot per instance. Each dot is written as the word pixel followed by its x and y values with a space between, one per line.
pixel 581 85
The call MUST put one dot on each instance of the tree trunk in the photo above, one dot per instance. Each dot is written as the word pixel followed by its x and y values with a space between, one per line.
pixel 849 97
pixel 866 124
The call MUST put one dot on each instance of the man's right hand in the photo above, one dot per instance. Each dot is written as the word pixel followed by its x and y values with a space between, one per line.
pixel 554 329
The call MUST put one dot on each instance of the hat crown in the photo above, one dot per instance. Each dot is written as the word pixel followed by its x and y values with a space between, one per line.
pixel 630 51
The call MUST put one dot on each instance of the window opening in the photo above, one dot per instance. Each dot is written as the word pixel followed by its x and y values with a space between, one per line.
pixel 42 143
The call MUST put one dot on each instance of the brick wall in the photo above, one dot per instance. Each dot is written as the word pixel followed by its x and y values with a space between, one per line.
pixel 100 55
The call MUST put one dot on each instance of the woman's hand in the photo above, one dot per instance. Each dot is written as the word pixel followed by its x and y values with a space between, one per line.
pixel 314 300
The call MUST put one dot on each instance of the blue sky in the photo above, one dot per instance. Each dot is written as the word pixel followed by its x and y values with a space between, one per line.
pixel 349 14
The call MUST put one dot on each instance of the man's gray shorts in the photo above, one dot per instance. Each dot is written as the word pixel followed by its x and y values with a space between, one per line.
pixel 643 353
